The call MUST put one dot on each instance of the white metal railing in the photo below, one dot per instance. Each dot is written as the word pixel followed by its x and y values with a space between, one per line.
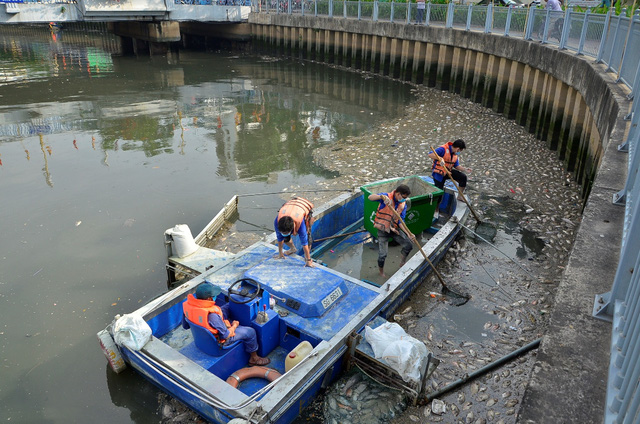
pixel 621 305
pixel 612 40
pixel 608 38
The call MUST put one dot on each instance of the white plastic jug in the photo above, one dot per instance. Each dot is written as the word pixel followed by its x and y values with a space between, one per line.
pixel 297 354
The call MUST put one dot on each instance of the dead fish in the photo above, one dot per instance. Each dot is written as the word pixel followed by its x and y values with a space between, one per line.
pixel 511 402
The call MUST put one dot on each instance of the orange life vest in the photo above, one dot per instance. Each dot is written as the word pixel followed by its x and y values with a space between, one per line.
pixel 197 311
pixel 385 219
pixel 298 209
pixel 449 160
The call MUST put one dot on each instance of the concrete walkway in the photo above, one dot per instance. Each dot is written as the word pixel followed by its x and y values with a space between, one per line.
pixel 569 381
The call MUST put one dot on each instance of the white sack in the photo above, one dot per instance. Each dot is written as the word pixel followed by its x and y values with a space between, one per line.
pixel 131 331
pixel 183 243
pixel 400 351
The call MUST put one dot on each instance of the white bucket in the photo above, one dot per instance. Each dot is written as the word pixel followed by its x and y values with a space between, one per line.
pixel 182 243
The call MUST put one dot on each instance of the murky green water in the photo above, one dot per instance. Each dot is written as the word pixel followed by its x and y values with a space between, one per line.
pixel 99 155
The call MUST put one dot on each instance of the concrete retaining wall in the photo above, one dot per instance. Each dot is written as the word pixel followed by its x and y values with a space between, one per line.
pixel 564 100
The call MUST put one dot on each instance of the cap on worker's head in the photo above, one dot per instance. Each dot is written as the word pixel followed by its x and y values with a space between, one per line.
pixel 206 291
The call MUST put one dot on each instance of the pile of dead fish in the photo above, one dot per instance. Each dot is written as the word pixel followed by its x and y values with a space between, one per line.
pixel 357 399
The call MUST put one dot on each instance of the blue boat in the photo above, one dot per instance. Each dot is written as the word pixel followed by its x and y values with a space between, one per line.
pixel 325 305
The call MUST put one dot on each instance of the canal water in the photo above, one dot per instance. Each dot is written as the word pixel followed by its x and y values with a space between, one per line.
pixel 99 154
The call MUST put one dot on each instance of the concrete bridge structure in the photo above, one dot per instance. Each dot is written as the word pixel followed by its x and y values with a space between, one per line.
pixel 151 24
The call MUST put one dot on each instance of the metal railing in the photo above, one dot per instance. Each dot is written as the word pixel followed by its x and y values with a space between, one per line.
pixel 604 37
pixel 612 40
pixel 622 304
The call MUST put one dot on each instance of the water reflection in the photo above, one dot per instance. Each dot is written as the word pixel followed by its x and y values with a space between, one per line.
pixel 34 52
pixel 259 117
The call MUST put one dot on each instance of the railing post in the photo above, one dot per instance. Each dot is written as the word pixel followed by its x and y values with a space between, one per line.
pixel 583 33
pixel 613 44
pixel 625 57
pixel 469 14
pixel 635 87
pixel 488 22
pixel 391 17
pixel 545 31
pixel 428 12
pixel 507 24
pixel 375 11
pixel 408 12
pixel 315 6
pixel 449 20
pixel 359 9
pixel 344 9
pixel 289 7
pixel 566 25
pixel 331 8
pixel 531 22
pixel 603 39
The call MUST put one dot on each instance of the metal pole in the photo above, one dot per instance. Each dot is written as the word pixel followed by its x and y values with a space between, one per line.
pixel 449 19
pixel 534 344
pixel 507 24
pixel 605 30
pixel 426 22
pixel 583 34
pixel 488 22
pixel 626 41
pixel 565 28
pixel 529 24
pixel 613 45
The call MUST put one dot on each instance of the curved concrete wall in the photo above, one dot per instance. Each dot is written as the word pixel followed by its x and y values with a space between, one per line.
pixel 561 98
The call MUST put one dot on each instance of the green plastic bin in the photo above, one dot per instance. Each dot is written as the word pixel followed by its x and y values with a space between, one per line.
pixel 423 202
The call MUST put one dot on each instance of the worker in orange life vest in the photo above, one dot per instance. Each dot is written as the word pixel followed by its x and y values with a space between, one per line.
pixel 202 310
pixel 449 153
pixel 387 224
pixel 294 218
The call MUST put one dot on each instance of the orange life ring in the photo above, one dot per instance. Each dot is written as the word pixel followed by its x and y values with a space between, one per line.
pixel 252 372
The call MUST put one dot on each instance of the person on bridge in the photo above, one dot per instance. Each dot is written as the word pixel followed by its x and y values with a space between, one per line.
pixel 554 5
pixel 295 218
pixel 448 154
pixel 387 224
pixel 421 6
pixel 556 19
pixel 202 310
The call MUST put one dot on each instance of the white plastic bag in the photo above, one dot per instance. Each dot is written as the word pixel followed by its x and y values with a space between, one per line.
pixel 131 331
pixel 183 243
pixel 400 351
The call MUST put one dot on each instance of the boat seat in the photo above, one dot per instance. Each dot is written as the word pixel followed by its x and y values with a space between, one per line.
pixel 207 342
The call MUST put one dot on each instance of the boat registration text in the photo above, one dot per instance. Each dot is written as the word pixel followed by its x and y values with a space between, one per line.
pixel 335 295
